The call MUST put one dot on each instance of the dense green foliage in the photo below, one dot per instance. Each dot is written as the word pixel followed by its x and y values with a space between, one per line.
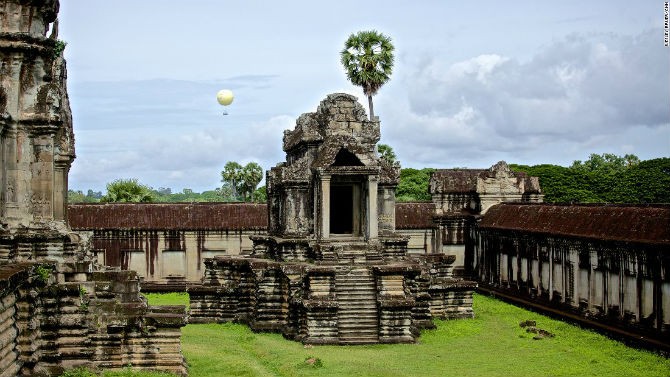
pixel 604 178
pixel 492 344
pixel 128 190
pixel 413 185
pixel 367 58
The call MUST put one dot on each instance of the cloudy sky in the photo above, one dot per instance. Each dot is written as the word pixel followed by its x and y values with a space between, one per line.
pixel 474 82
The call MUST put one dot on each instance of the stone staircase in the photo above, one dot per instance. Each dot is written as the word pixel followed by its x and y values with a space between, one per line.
pixel 357 318
pixel 358 253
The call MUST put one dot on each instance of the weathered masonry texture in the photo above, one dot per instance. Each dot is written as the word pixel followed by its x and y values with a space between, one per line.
pixel 59 308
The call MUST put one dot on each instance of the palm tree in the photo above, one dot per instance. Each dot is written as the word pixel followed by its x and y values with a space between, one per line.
pixel 368 59
pixel 127 190
pixel 232 174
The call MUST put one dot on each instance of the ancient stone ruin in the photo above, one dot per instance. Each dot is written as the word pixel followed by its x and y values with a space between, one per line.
pixel 58 308
pixel 332 269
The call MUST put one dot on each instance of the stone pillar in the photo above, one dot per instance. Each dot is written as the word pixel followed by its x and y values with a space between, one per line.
pixel 43 177
pixel 17 170
pixel 372 212
pixel 61 169
pixel 325 206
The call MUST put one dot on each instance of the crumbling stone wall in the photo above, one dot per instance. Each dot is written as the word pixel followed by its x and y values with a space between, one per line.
pixel 59 308
pixel 47 326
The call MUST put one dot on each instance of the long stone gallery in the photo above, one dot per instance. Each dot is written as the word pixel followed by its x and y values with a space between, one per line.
pixel 331 258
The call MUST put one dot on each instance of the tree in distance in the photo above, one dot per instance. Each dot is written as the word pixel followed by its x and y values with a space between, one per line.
pixel 127 190
pixel 241 181
pixel 386 153
pixel 368 61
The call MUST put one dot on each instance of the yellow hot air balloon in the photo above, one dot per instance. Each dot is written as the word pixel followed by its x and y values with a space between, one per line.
pixel 225 97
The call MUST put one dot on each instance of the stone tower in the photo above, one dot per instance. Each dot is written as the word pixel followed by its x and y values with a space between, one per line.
pixel 332 269
pixel 58 308
pixel 333 192
pixel 37 143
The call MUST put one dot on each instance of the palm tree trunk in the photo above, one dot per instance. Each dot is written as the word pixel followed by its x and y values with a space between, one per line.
pixel 372 111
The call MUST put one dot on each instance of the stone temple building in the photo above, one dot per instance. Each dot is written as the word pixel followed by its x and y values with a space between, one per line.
pixel 58 307
pixel 332 268
pixel 606 266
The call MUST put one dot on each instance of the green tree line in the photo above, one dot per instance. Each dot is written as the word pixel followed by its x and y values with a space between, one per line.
pixel 605 178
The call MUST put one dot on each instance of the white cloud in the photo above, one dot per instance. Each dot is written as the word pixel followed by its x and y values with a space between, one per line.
pixel 569 100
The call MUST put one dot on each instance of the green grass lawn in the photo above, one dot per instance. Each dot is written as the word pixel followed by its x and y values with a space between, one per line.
pixel 492 344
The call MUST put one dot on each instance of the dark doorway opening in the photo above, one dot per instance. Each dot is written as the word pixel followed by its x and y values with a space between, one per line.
pixel 346 158
pixel 342 209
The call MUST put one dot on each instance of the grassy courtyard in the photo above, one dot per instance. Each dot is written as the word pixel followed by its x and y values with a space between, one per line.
pixel 492 344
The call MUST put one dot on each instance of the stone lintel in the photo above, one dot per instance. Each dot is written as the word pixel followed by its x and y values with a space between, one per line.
pixel 350 170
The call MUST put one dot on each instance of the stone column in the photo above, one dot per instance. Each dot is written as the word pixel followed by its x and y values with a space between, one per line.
pixel 372 212
pixel 325 206
pixel 61 169
pixel 42 179
pixel 17 172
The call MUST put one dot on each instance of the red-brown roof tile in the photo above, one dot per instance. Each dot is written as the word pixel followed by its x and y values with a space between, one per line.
pixel 205 216
pixel 627 223
pixel 168 216
pixel 417 215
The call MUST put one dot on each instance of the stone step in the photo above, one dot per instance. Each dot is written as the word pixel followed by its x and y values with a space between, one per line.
pixel 370 322
pixel 354 304
pixel 372 329
pixel 356 341
pixel 352 332
pixel 368 293
pixel 357 331
pixel 357 302
pixel 355 284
